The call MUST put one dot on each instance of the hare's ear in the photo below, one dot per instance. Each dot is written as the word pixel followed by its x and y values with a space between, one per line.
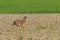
pixel 25 16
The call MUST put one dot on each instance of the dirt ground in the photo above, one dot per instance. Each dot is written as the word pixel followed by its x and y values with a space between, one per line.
pixel 36 27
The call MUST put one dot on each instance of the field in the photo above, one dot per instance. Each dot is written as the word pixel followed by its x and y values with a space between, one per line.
pixel 29 6
pixel 36 27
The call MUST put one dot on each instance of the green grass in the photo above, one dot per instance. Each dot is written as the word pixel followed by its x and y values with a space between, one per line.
pixel 29 6
pixel 52 27
pixel 30 38
pixel 20 38
pixel 40 27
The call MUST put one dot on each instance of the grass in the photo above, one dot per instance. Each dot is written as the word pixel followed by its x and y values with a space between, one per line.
pixel 29 6
pixel 52 27
pixel 0 33
pixel 40 27
pixel 20 38
pixel 30 38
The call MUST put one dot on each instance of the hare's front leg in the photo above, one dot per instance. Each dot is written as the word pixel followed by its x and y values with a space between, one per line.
pixel 21 24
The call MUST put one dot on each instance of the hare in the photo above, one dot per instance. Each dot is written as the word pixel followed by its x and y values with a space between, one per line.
pixel 19 23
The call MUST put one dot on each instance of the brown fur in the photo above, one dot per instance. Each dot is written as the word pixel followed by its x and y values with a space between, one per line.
pixel 19 23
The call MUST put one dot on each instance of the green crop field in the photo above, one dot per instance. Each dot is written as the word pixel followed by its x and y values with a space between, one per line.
pixel 29 6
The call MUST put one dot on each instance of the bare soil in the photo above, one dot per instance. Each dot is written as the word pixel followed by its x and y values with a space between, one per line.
pixel 36 27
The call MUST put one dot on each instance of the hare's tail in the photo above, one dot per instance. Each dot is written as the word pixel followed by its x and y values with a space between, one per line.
pixel 14 22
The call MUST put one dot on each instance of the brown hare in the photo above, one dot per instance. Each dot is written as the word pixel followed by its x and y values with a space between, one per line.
pixel 19 23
